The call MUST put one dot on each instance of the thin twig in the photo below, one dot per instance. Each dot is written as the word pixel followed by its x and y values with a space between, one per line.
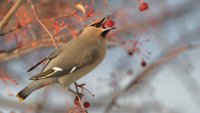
pixel 79 100
pixel 6 32
pixel 10 13
pixel 41 23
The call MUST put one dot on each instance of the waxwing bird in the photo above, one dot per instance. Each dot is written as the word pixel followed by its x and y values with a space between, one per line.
pixel 72 61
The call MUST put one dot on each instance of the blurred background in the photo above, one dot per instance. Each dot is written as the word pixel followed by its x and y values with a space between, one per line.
pixel 151 66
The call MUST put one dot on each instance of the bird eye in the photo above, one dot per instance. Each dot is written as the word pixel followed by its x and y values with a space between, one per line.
pixel 95 25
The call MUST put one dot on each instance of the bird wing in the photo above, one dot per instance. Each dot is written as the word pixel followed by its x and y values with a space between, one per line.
pixel 50 73
pixel 51 56
pixel 88 57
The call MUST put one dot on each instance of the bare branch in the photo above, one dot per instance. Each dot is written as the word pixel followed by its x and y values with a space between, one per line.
pixel 18 52
pixel 9 14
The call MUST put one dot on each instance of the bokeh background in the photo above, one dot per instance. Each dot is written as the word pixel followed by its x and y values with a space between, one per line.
pixel 151 66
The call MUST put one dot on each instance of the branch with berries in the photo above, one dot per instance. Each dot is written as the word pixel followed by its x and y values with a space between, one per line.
pixel 164 58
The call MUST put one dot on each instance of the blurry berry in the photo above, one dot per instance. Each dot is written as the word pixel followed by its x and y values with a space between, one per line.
pixel 86 104
pixel 143 63
pixel 104 26
pixel 110 23
pixel 143 6
pixel 76 101
pixel 130 53
pixel 90 12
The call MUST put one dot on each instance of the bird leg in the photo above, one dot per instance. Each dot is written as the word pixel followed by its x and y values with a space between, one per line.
pixel 76 93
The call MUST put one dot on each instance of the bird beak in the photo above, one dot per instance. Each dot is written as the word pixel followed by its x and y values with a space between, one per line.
pixel 104 20
pixel 106 30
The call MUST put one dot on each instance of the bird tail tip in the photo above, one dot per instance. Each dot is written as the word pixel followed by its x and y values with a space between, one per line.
pixel 21 99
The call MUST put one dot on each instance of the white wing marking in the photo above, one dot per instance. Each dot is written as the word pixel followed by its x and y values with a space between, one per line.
pixel 72 69
pixel 56 69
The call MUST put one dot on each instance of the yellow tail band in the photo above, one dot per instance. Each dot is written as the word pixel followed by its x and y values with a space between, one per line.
pixel 20 99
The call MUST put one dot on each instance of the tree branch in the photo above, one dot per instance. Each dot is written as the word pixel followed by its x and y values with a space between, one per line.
pixel 36 44
pixel 170 54
pixel 10 13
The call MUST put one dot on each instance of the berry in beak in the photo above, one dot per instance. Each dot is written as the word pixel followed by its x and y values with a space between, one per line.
pixel 107 23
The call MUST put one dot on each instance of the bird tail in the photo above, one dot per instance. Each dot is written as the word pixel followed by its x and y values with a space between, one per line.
pixel 34 85
pixel 23 94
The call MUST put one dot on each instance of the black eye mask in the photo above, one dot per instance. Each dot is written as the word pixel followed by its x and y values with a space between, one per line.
pixel 99 24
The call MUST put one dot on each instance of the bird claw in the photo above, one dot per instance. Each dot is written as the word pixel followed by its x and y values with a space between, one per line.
pixel 80 95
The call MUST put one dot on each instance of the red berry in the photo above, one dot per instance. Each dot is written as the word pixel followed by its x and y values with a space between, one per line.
pixel 103 26
pixel 143 63
pixel 86 104
pixel 76 101
pixel 110 23
pixel 130 53
pixel 143 6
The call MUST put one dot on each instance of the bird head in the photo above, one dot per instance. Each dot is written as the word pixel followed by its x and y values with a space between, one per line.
pixel 97 28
